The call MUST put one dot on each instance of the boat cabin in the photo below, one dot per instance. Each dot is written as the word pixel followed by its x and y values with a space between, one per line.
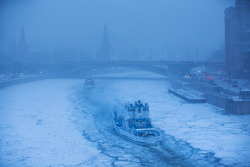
pixel 137 115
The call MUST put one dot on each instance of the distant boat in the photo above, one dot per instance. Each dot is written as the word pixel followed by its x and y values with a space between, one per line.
pixel 89 82
pixel 134 124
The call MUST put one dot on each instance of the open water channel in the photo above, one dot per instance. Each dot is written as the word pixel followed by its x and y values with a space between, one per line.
pixel 98 103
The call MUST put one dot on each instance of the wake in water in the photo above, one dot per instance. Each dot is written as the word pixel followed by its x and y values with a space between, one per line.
pixel 98 129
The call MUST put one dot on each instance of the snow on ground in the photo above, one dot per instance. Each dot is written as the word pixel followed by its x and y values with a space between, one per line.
pixel 41 125
pixel 36 127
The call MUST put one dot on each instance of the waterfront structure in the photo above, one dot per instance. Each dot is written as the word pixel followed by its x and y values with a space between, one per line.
pixel 237 22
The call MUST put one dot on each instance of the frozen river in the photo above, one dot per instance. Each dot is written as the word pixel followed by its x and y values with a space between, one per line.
pixel 61 123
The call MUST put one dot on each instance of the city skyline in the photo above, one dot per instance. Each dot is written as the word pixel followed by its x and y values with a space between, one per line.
pixel 157 28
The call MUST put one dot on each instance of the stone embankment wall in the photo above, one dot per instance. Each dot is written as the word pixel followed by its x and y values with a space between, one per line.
pixel 216 100
pixel 238 107
pixel 214 97
pixel 232 106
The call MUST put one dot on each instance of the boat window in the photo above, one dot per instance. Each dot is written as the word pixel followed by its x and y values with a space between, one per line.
pixel 140 133
pixel 155 132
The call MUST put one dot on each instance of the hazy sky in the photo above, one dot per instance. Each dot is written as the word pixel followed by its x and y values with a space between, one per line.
pixel 170 25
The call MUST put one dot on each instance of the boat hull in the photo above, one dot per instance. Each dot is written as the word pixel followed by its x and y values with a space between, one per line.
pixel 135 139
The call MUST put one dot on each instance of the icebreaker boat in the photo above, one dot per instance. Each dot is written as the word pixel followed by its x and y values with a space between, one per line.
pixel 133 123
pixel 89 82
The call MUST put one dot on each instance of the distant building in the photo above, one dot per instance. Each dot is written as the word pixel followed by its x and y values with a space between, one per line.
pixel 105 51
pixel 237 22
pixel 246 55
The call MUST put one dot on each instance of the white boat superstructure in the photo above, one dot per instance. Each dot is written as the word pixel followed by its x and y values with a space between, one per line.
pixel 134 124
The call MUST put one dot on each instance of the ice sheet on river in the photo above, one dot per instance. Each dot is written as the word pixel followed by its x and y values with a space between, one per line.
pixel 36 127
pixel 49 123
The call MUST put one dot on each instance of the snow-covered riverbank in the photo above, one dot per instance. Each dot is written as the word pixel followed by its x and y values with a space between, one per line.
pixel 58 122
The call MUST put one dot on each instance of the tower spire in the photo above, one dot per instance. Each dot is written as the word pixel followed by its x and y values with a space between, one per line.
pixel 105 51
pixel 23 47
